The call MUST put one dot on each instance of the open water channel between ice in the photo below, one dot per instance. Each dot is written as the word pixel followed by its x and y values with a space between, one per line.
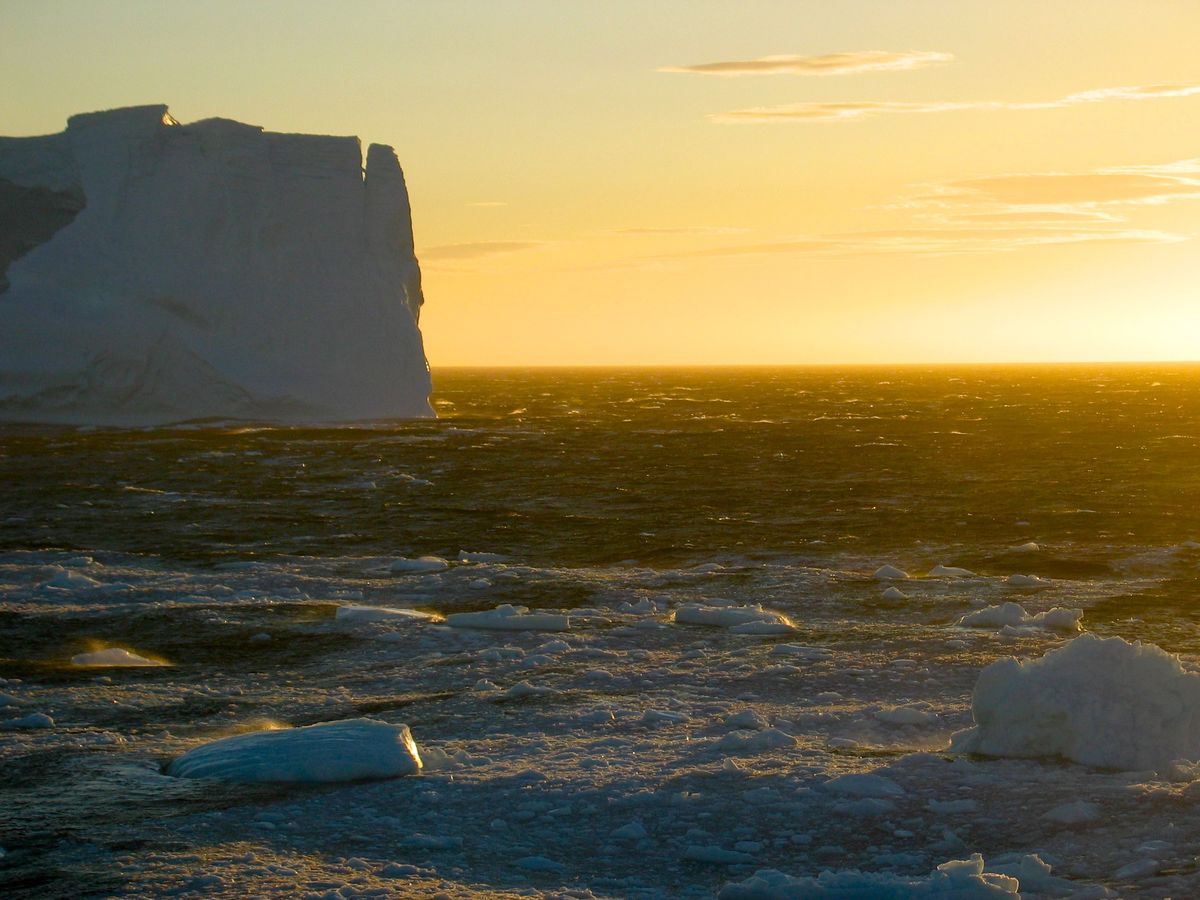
pixel 653 733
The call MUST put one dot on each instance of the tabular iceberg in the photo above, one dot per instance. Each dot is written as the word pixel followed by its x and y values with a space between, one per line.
pixel 154 272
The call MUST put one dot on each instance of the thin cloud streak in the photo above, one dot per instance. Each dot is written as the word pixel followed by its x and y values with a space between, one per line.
pixel 829 64
pixel 475 250
pixel 848 110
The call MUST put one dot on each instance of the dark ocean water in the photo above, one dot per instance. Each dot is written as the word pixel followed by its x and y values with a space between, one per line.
pixel 598 487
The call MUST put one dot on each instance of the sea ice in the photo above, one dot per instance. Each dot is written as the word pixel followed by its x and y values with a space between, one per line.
pixel 738 619
pixel 509 618
pixel 961 879
pixel 383 614
pixel 113 656
pixel 1099 702
pixel 346 750
pixel 864 785
pixel 1017 580
pixel 420 564
pixel 889 573
pixel 33 720
pixel 1013 615
pixel 940 571
pixel 894 594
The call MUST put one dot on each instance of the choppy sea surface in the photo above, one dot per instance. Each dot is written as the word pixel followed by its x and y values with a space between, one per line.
pixel 612 497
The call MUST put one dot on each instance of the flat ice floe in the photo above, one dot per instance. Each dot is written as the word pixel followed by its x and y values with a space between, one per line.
pixel 383 614
pixel 420 564
pixel 1100 702
pixel 889 573
pixel 114 657
pixel 1013 615
pixel 738 619
pixel 963 879
pixel 347 750
pixel 507 617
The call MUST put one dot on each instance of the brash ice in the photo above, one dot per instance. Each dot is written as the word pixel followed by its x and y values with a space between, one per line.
pixel 153 272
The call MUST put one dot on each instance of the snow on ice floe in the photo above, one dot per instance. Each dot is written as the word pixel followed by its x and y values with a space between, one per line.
pixel 1027 581
pixel 507 617
pixel 420 564
pixel 940 571
pixel 114 657
pixel 33 720
pixel 468 556
pixel 346 750
pixel 1100 702
pixel 738 619
pixel 893 595
pixel 889 573
pixel 383 614
pixel 1013 616
pixel 960 879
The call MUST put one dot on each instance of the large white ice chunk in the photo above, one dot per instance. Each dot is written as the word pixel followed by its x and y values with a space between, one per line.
pixel 1013 615
pixel 507 617
pixel 113 656
pixel 1100 702
pixel 738 619
pixel 383 614
pixel 347 750
pixel 159 271
pixel 961 879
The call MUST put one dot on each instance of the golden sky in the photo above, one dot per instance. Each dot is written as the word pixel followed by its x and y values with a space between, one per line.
pixel 717 183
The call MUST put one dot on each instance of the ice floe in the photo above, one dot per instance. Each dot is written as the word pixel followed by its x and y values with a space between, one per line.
pixel 420 564
pixel 509 618
pixel 346 750
pixel 961 879
pixel 889 573
pixel 941 571
pixel 116 657
pixel 383 614
pixel 1100 702
pixel 738 619
pixel 1014 615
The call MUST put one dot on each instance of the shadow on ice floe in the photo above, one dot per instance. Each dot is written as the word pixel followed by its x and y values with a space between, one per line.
pixel 327 753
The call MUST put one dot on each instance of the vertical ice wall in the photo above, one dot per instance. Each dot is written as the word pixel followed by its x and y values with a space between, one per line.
pixel 214 269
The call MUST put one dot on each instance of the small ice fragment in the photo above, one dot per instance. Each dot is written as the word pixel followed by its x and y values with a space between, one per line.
pixel 33 720
pixel 69 579
pixel 905 715
pixel 1078 813
pixel 113 656
pixel 634 831
pixel 940 571
pixel 801 651
pixel 509 618
pixel 738 619
pixel 1013 615
pixel 539 864
pixel 1029 547
pixel 889 573
pixel 420 564
pixel 525 689
pixel 479 584
pixel 1142 868
pixel 864 785
pixel 894 594
pixel 261 638
pixel 1017 580
pixel 383 614
pixel 747 718
pixel 468 556
pixel 746 743
pixel 664 717
pixel 715 855
pixel 346 750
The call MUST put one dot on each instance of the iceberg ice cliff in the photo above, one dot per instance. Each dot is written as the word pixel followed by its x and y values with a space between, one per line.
pixel 154 272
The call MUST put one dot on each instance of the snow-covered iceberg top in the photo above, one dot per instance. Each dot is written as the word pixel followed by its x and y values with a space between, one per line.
pixel 1100 702
pixel 347 750
pixel 155 272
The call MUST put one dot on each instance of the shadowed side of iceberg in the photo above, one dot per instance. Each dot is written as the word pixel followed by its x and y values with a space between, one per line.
pixel 206 270
pixel 347 750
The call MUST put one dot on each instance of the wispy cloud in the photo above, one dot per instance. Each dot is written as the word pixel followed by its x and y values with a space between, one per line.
pixel 830 64
pixel 934 241
pixel 475 250
pixel 681 229
pixel 846 110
